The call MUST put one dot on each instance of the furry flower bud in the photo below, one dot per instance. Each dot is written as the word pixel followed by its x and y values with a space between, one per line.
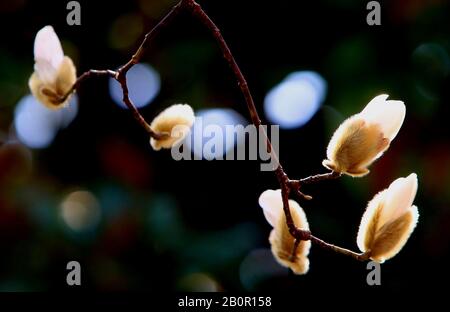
pixel 364 137
pixel 175 121
pixel 54 74
pixel 281 241
pixel 389 220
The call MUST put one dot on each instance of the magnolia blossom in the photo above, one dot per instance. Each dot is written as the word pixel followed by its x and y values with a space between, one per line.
pixel 281 241
pixel 364 137
pixel 54 74
pixel 176 122
pixel 389 220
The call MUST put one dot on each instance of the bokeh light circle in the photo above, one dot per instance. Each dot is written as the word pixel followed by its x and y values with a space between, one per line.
pixel 295 100
pixel 36 126
pixel 214 119
pixel 144 84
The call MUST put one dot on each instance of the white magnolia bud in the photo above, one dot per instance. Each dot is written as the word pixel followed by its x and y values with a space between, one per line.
pixel 362 138
pixel 176 122
pixel 389 220
pixel 54 74
pixel 281 241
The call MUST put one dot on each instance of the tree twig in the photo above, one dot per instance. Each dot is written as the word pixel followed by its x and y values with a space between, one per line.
pixel 90 73
pixel 287 185
pixel 137 56
pixel 139 118
pixel 357 256
pixel 297 184
pixel 319 177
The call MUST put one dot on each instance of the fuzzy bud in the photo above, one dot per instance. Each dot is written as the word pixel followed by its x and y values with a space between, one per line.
pixel 176 122
pixel 364 137
pixel 389 220
pixel 281 241
pixel 54 74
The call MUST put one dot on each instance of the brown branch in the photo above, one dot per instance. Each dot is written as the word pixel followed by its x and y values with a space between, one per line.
pixel 286 184
pixel 139 118
pixel 283 180
pixel 198 12
pixel 293 256
pixel 297 184
pixel 121 79
pixel 90 73
pixel 137 56
pixel 357 256
pixel 120 74
pixel 320 177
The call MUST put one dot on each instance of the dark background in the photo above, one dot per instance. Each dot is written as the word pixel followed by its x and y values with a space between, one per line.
pixel 191 225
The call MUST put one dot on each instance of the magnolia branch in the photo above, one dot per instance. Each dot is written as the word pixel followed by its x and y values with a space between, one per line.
pixel 357 256
pixel 90 73
pixel 287 186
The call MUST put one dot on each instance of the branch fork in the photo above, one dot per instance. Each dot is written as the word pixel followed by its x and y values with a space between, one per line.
pixel 286 184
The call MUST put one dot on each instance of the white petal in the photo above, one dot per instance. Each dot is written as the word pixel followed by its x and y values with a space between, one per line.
pixel 176 121
pixel 272 204
pixel 46 72
pixel 47 47
pixel 176 114
pixel 393 240
pixel 299 215
pixel 388 114
pixel 399 198
pixel 369 222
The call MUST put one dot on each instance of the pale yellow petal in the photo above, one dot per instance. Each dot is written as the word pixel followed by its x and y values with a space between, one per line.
pixel 370 222
pixel 47 47
pixel 67 75
pixel 272 205
pixel 175 121
pixel 399 198
pixel 282 242
pixel 388 114
pixel 54 73
pixel 49 94
pixel 46 72
pixel 393 236
pixel 298 215
pixel 354 146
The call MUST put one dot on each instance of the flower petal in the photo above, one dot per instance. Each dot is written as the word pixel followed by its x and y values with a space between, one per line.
pixel 393 236
pixel 282 242
pixel 399 198
pixel 176 121
pixel 47 47
pixel 298 215
pixel 388 114
pixel 370 221
pixel 272 205
pixel 46 72
pixel 354 146
pixel 50 92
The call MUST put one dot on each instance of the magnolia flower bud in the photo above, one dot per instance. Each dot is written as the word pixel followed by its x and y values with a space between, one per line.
pixel 281 241
pixel 362 138
pixel 54 74
pixel 175 121
pixel 389 220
